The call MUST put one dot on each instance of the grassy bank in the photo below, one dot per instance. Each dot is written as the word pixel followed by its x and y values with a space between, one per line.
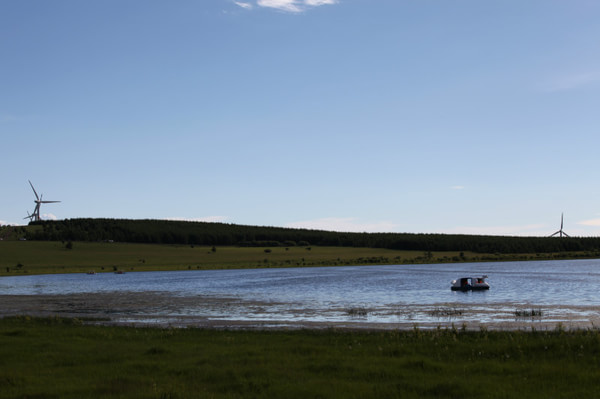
pixel 37 257
pixel 40 257
pixel 61 358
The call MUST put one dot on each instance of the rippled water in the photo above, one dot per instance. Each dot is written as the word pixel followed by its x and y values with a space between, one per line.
pixel 382 294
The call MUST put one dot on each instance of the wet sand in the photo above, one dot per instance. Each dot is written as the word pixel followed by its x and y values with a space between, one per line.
pixel 160 309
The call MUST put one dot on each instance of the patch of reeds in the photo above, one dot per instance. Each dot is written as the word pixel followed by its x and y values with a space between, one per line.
pixel 525 313
pixel 357 312
pixel 446 312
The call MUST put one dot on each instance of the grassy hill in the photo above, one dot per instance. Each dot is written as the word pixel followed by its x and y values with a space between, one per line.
pixel 106 245
pixel 202 233
pixel 40 257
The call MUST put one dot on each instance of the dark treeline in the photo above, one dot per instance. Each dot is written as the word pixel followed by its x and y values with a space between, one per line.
pixel 201 233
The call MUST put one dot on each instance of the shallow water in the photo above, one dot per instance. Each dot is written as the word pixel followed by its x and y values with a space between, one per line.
pixel 563 291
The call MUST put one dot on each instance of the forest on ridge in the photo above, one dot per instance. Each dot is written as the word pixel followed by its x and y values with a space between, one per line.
pixel 217 234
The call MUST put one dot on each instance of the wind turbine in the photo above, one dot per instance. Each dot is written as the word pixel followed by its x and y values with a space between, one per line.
pixel 35 216
pixel 30 217
pixel 560 232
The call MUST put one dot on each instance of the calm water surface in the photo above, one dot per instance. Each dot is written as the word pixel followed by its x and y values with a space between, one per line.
pixel 328 293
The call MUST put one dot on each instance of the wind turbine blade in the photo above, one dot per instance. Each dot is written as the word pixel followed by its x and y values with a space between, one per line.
pixel 48 202
pixel 566 235
pixel 36 195
pixel 29 216
pixel 552 235
pixel 561 221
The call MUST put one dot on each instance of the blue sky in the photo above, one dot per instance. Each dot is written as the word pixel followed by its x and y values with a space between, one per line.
pixel 437 116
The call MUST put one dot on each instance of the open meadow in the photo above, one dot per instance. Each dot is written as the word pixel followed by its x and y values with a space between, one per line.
pixel 41 257
pixel 44 257
pixel 64 358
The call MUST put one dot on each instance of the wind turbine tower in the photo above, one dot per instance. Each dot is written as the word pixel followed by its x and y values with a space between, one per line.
pixel 560 232
pixel 35 216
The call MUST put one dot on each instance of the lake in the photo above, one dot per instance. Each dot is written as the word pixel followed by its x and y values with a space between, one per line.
pixel 539 294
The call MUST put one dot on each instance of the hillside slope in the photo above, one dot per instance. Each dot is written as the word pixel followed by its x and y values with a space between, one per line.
pixel 203 233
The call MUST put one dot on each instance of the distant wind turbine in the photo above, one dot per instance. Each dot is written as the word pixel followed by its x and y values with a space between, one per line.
pixel 560 232
pixel 35 216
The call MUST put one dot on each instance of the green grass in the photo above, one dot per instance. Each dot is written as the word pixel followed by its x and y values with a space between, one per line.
pixel 41 257
pixel 61 358
pixel 38 257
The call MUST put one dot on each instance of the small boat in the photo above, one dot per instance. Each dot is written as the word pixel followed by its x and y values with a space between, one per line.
pixel 91 272
pixel 470 284
pixel 119 272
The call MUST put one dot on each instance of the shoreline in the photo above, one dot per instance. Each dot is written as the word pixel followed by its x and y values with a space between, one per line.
pixel 163 310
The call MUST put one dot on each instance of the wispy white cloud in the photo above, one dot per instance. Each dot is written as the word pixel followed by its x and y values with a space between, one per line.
pixel 284 5
pixel 574 81
pixel 315 3
pixel 344 225
pixel 48 216
pixel 243 4
pixel 294 6
pixel 590 222
pixel 209 219
pixel 457 187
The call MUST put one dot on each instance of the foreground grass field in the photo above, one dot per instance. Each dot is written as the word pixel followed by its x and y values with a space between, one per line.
pixel 61 358
pixel 38 257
